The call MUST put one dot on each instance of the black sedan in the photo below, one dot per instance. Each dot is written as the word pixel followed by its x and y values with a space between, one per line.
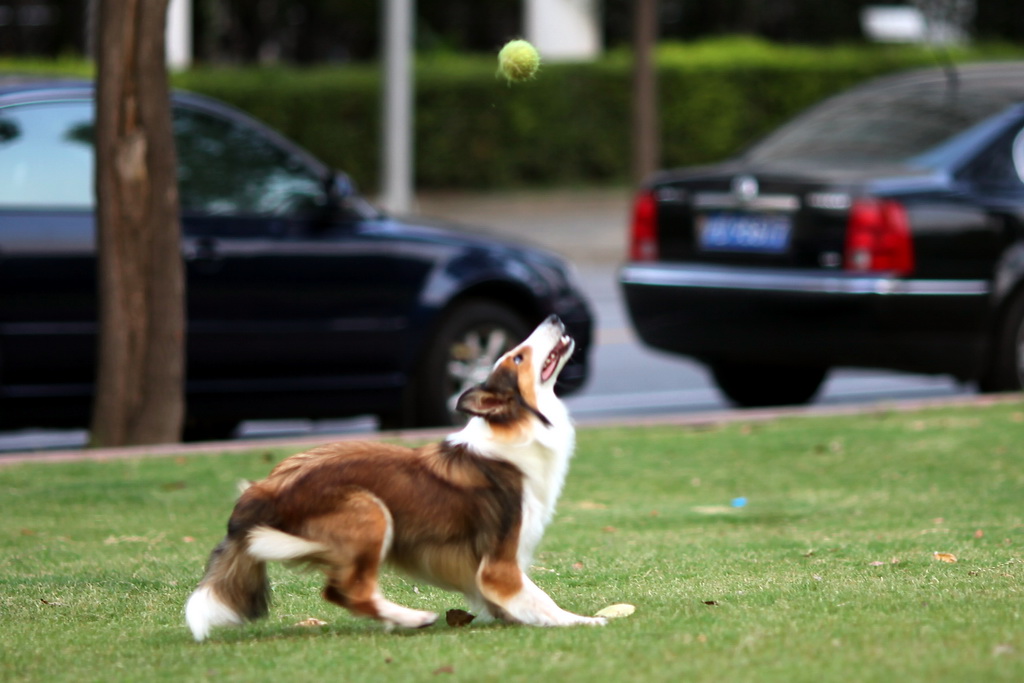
pixel 303 299
pixel 883 228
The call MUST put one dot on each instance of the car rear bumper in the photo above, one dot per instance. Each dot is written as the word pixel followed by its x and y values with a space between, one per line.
pixel 809 317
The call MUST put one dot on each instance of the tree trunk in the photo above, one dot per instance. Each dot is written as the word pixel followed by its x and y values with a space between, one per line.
pixel 645 132
pixel 139 385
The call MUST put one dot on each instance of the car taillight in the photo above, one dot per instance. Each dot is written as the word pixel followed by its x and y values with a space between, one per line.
pixel 643 244
pixel 878 237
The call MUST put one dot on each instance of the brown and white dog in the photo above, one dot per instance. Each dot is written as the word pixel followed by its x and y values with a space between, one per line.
pixel 465 514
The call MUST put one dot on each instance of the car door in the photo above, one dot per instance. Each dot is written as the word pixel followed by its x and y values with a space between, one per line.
pixel 47 265
pixel 288 292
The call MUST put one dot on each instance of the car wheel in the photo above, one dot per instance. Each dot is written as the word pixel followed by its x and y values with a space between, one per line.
pixel 1007 369
pixel 470 338
pixel 752 385
pixel 208 429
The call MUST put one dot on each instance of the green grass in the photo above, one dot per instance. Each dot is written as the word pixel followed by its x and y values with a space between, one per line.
pixel 827 574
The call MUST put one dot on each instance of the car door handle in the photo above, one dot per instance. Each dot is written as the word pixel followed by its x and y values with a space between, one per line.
pixel 202 249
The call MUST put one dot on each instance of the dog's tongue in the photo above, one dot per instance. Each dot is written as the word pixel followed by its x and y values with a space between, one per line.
pixel 551 362
pixel 549 369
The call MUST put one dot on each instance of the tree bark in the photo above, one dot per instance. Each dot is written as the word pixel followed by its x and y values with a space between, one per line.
pixel 645 131
pixel 140 375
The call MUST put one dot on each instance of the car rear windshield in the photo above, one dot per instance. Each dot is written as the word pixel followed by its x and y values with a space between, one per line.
pixel 894 121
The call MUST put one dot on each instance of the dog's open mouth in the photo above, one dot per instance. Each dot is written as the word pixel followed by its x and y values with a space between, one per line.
pixel 551 362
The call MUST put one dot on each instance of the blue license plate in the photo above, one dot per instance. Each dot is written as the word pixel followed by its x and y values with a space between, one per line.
pixel 758 233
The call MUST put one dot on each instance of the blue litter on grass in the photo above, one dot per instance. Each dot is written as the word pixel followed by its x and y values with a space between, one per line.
pixel 739 502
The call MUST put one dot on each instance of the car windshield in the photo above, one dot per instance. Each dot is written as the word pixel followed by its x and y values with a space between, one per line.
pixel 899 120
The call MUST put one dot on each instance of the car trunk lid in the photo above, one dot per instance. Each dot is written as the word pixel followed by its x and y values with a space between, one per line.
pixel 810 219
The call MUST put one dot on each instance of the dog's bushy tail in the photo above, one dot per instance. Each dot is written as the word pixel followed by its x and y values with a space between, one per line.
pixel 234 590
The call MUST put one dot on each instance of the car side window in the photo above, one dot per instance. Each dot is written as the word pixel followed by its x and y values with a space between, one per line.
pixel 46 152
pixel 1018 155
pixel 1001 167
pixel 228 168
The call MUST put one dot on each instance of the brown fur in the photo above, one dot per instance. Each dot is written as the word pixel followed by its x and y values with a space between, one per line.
pixel 450 507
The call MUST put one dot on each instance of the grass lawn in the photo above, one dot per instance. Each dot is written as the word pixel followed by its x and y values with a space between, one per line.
pixel 828 571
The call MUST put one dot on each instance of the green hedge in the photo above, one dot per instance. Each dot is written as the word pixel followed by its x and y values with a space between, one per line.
pixel 569 126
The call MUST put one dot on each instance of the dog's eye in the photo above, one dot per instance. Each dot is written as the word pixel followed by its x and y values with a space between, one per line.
pixel 518 359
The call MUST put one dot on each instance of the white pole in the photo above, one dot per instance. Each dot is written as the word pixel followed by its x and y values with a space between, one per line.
pixel 397 166
pixel 179 34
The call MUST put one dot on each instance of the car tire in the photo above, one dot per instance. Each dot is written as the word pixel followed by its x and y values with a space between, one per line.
pixel 199 429
pixel 469 339
pixel 1006 372
pixel 752 385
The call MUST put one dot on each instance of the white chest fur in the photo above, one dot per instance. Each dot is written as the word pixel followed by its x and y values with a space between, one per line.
pixel 544 461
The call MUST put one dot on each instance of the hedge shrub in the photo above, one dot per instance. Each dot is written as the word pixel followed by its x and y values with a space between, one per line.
pixel 569 126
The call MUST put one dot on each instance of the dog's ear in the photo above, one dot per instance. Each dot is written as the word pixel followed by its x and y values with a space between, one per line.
pixel 483 401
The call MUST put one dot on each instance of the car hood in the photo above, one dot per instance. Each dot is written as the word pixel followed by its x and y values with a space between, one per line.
pixel 453 234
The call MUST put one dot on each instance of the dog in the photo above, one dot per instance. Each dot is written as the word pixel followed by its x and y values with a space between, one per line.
pixel 465 514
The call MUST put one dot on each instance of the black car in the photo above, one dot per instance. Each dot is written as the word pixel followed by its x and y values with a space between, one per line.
pixel 303 299
pixel 883 228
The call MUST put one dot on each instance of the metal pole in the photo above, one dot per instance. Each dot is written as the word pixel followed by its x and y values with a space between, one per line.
pixel 397 162
pixel 179 34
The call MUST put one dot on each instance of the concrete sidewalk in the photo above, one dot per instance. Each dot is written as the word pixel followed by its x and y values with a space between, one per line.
pixel 585 225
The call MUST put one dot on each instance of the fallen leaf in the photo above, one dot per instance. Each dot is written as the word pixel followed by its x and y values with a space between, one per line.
pixel 444 670
pixel 188 539
pixel 312 621
pixel 945 557
pixel 577 565
pixel 713 603
pixel 616 611
pixel 590 505
pixel 877 564
pixel 979 534
pixel 609 529
pixel 51 603
pixel 458 617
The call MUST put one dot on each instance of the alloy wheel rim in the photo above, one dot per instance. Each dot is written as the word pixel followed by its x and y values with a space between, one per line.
pixel 470 360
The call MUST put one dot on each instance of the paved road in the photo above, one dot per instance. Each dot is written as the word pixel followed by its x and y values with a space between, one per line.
pixel 589 227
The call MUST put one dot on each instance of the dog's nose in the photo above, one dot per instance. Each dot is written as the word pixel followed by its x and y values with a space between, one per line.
pixel 556 321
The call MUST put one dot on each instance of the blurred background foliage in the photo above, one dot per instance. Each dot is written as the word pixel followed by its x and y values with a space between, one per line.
pixel 727 71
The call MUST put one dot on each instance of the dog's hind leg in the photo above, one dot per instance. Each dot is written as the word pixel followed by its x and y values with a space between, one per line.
pixel 358 534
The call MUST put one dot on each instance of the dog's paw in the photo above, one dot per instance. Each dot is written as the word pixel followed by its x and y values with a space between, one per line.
pixel 420 620
pixel 395 615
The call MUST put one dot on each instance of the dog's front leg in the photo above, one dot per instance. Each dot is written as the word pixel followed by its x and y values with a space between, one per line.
pixel 518 599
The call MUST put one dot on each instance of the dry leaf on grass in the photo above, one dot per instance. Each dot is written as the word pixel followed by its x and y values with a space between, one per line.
pixel 945 557
pixel 458 617
pixel 312 621
pixel 616 611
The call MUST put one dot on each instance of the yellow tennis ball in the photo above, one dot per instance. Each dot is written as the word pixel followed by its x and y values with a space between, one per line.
pixel 518 61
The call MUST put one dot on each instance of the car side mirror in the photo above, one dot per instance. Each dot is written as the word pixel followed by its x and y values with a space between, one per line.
pixel 343 199
pixel 340 187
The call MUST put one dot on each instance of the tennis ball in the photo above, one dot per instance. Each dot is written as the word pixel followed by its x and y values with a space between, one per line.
pixel 518 61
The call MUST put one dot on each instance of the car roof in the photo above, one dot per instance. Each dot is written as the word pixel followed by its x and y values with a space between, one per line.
pixel 1005 74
